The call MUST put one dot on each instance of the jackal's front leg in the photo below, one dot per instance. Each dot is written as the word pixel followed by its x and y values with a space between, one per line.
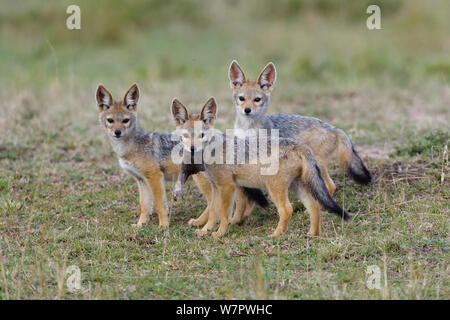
pixel 226 193
pixel 212 214
pixel 243 207
pixel 156 183
pixel 145 202
pixel 279 194
pixel 205 187
pixel 178 188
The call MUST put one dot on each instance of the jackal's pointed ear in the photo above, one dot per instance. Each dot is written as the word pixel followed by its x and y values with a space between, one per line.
pixel 179 112
pixel 236 75
pixel 267 77
pixel 131 98
pixel 208 114
pixel 103 97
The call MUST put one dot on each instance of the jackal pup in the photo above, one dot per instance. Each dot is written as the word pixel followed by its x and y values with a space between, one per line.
pixel 146 156
pixel 298 170
pixel 251 99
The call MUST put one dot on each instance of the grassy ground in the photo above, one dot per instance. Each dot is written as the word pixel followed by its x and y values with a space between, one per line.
pixel 64 200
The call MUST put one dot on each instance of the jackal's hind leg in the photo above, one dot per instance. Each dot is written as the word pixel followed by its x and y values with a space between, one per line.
pixel 326 178
pixel 205 187
pixel 312 207
pixel 278 192
pixel 212 214
pixel 226 193
pixel 240 206
pixel 249 205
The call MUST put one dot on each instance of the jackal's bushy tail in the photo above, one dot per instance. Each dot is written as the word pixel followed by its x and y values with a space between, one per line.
pixel 311 178
pixel 350 160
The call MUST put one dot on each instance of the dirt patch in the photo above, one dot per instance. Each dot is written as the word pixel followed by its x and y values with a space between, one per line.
pixel 375 152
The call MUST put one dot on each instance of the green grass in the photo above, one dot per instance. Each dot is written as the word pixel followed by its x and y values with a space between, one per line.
pixel 64 200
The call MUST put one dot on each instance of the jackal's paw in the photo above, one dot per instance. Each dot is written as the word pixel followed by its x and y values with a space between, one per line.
pixel 218 234
pixel 236 220
pixel 195 223
pixel 140 223
pixel 312 233
pixel 163 224
pixel 276 233
pixel 201 232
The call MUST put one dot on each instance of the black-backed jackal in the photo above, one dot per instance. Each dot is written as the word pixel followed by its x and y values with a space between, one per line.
pixel 251 99
pixel 297 171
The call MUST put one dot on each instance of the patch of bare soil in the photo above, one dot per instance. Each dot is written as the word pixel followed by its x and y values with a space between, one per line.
pixel 375 152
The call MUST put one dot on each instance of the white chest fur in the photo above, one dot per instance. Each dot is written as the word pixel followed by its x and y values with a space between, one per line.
pixel 130 168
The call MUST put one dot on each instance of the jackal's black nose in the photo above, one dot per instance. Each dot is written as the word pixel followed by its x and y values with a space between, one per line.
pixel 247 110
pixel 192 148
pixel 117 133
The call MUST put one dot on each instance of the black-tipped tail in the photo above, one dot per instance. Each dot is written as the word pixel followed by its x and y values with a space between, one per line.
pixel 350 160
pixel 319 191
pixel 256 195
pixel 357 170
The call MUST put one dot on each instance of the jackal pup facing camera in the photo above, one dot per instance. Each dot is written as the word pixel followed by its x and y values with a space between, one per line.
pixel 297 171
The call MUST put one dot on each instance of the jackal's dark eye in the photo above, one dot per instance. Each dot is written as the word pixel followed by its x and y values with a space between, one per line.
pixel 202 135
pixel 257 99
pixel 241 98
pixel 125 120
pixel 110 120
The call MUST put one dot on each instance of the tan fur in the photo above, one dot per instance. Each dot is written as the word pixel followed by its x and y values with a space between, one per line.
pixel 324 145
pixel 205 187
pixel 243 208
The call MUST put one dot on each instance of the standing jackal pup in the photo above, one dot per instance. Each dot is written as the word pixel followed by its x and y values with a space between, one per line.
pixel 251 99
pixel 146 156
pixel 297 170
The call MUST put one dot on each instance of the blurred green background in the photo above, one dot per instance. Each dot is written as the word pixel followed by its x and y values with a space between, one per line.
pixel 321 41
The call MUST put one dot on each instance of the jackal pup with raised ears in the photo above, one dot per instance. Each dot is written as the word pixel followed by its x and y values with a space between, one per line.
pixel 251 99
pixel 297 170
pixel 146 156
